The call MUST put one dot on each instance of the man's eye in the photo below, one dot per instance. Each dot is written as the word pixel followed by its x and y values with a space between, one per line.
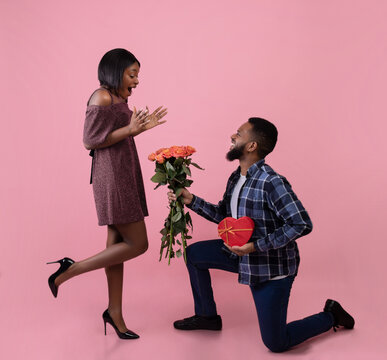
pixel 131 76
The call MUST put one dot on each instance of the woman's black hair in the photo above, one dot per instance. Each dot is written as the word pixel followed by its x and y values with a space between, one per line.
pixel 112 67
pixel 265 134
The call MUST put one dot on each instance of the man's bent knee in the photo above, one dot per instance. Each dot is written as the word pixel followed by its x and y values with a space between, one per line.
pixel 193 252
pixel 275 346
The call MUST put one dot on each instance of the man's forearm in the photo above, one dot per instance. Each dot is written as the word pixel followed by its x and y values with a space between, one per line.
pixel 209 211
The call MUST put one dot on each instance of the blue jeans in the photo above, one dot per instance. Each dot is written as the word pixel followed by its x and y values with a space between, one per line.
pixel 271 298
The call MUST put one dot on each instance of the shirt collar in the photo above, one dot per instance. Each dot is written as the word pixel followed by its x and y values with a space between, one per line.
pixel 254 168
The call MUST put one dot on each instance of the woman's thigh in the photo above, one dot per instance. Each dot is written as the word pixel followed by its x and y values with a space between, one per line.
pixel 134 234
pixel 113 236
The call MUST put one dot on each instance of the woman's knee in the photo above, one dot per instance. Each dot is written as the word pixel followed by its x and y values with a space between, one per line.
pixel 143 247
pixel 134 234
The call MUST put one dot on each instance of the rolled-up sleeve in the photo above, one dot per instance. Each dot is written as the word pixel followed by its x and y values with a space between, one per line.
pixel 98 125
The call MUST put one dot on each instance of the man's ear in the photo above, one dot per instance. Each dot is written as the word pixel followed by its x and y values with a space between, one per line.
pixel 252 146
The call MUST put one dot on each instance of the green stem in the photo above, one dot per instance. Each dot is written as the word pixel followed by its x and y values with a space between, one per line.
pixel 184 246
pixel 170 235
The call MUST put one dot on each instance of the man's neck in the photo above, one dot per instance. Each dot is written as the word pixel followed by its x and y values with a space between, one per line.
pixel 246 163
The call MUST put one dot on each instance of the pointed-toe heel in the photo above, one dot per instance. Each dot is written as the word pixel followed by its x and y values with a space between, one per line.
pixel 128 335
pixel 64 263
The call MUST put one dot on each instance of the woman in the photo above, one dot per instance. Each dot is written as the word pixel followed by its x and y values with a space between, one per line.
pixel 117 181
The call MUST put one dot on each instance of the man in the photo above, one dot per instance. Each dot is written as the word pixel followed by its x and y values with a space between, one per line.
pixel 268 263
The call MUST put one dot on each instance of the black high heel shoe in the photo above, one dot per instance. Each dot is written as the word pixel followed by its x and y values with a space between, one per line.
pixel 126 335
pixel 65 263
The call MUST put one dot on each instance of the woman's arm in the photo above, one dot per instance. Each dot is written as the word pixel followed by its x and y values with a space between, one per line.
pixel 113 138
pixel 136 126
pixel 138 122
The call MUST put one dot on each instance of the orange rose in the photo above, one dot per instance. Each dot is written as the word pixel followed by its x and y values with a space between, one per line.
pixel 159 151
pixel 178 151
pixel 190 150
pixel 160 159
pixel 152 157
pixel 167 153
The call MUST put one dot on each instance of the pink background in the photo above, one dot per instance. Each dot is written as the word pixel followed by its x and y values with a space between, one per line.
pixel 317 69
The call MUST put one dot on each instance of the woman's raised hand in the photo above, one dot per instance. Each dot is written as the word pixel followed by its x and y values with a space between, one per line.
pixel 154 118
pixel 138 121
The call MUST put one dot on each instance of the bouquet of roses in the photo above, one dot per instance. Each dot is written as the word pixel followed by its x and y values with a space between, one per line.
pixel 172 169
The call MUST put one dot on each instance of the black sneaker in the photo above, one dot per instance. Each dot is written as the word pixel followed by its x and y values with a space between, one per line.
pixel 197 322
pixel 341 317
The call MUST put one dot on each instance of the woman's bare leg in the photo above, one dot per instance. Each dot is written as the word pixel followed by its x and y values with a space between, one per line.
pixel 135 243
pixel 115 276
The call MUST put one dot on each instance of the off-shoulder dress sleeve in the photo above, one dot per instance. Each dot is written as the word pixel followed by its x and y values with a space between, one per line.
pixel 99 123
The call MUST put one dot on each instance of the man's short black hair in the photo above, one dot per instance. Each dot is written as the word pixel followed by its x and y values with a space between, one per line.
pixel 265 134
pixel 112 66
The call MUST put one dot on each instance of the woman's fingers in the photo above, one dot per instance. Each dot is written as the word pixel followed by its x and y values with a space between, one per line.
pixel 160 115
pixel 159 112
pixel 142 113
pixel 162 112
pixel 154 112
pixel 141 117
pixel 144 123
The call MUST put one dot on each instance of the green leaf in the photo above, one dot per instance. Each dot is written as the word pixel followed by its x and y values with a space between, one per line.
pixel 187 170
pixel 179 253
pixel 169 167
pixel 181 176
pixel 158 185
pixel 188 219
pixel 180 201
pixel 196 165
pixel 178 162
pixel 176 217
pixel 167 224
pixel 179 226
pixel 159 177
pixel 160 167
pixel 179 191
pixel 187 183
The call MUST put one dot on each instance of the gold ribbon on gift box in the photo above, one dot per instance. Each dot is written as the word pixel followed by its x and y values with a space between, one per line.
pixel 230 230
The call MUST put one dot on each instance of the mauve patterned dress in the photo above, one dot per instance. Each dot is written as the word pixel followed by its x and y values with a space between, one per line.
pixel 117 180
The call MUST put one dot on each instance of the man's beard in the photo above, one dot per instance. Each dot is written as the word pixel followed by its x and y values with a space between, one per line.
pixel 235 153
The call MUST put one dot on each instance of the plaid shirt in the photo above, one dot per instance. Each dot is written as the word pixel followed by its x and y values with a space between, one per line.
pixel 279 217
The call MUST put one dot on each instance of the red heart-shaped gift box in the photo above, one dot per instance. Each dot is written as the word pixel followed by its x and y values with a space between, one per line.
pixel 236 231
